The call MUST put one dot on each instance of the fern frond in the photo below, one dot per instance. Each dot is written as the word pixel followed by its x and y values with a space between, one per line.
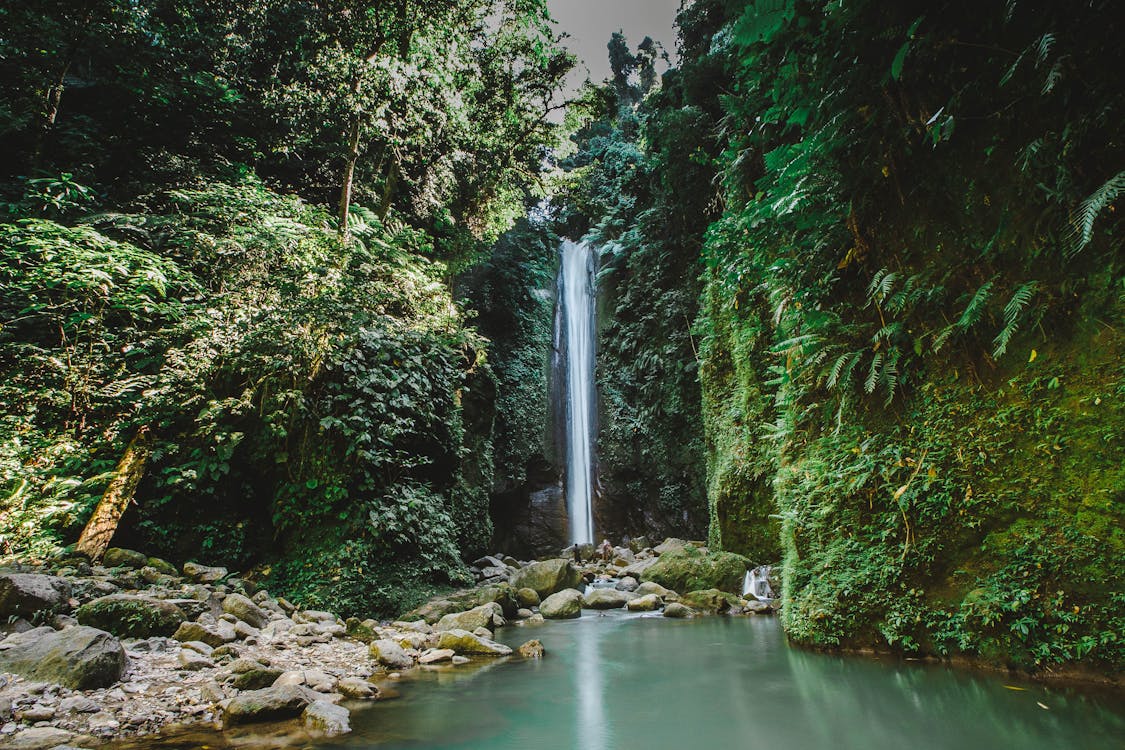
pixel 1082 223
pixel 1043 48
pixel 1012 313
pixel 1030 151
pixel 1054 75
pixel 842 370
pixel 975 309
pixel 890 375
pixel 873 373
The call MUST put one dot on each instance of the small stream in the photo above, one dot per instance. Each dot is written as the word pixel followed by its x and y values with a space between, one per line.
pixel 618 681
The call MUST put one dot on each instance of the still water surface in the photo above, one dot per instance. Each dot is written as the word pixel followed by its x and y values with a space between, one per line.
pixel 617 681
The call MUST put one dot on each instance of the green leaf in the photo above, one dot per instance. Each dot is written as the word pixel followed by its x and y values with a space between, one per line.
pixel 900 59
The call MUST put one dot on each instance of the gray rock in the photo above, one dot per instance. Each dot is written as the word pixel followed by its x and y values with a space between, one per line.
pixel 527 597
pixel 212 636
pixel 628 583
pixel 478 617
pixel 646 603
pixel 670 544
pixel 640 566
pixel 326 718
pixel 677 610
pixel 116 557
pixel 39 738
pixel 24 594
pixel 163 566
pixel 193 661
pixel 199 647
pixel 464 642
pixel 202 573
pixel 78 704
pixel 564 605
pixel 651 587
pixel 758 607
pixel 80 657
pixel 245 610
pixel 547 577
pixel 355 688
pixel 268 704
pixel 437 655
pixel 606 599
pixel 129 616
pixel 390 654
pixel 256 678
pixel 532 649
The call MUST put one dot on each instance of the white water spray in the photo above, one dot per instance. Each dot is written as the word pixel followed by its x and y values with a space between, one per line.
pixel 577 290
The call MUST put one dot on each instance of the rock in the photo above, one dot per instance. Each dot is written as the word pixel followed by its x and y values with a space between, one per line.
pixel 25 594
pixel 651 587
pixel 360 630
pixel 464 642
pixel 532 649
pixel 547 577
pixel 628 583
pixel 193 661
pixel 327 718
pixel 314 616
pixel 638 568
pixel 321 682
pixel 436 655
pixel 162 566
pixel 268 704
pixel 418 626
pixel 78 704
pixel 523 614
pixel 229 650
pixel 193 608
pixel 212 636
pixel 646 603
pixel 80 657
pixel 692 569
pixel 256 678
pixel 638 543
pixel 287 606
pixel 35 713
pixel 116 557
pixel 129 616
pixel 482 632
pixel 355 688
pixel 460 660
pixel 606 599
pixel 39 738
pixel 758 607
pixel 677 610
pixel 710 601
pixel 245 610
pixel 564 605
pixel 390 654
pixel 199 647
pixel 202 573
pixel 671 544
pixel 527 597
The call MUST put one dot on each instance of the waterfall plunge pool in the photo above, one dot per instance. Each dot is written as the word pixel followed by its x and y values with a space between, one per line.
pixel 620 681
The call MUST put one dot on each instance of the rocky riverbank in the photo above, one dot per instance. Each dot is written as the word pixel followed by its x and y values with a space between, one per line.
pixel 136 646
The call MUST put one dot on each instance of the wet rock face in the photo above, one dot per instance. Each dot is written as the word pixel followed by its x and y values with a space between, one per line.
pixel 78 657
pixel 25 594
pixel 131 616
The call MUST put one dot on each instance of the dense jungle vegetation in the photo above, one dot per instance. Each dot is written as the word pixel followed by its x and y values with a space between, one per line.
pixel 887 238
pixel 861 297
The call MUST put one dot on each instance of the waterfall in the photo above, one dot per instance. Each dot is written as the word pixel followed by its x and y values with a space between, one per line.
pixel 576 287
pixel 757 584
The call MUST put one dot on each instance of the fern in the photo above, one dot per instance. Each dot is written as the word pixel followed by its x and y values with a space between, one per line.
pixel 873 373
pixel 842 371
pixel 1012 314
pixel 975 309
pixel 1082 223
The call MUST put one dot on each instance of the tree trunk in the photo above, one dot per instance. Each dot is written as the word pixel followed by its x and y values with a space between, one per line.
pixel 103 524
pixel 349 176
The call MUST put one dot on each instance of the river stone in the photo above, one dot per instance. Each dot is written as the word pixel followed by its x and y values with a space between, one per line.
pixel 163 566
pixel 24 594
pixel 638 568
pixel 390 654
pixel 436 655
pixel 464 642
pixel 651 587
pixel 758 607
pixel 202 573
pixel 547 577
pixel 692 569
pixel 327 718
pixel 606 599
pixel 527 597
pixel 193 661
pixel 116 557
pixel 39 738
pixel 355 688
pixel 710 601
pixel 628 583
pixel 79 657
pixel 245 610
pixel 532 649
pixel 212 636
pixel 646 603
pixel 268 704
pixel 677 610
pixel 256 678
pixel 129 616
pixel 478 617
pixel 564 605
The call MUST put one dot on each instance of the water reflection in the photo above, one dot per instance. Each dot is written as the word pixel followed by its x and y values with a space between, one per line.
pixel 589 717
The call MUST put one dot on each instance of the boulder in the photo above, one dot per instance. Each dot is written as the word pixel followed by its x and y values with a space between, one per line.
pixel 79 657
pixel 163 566
pixel 355 688
pixel 692 569
pixel 202 573
pixel 483 616
pixel 193 661
pixel 532 649
pixel 24 594
pixel 256 678
pixel 245 610
pixel 128 616
pixel 651 587
pixel 758 607
pixel 39 738
pixel 547 577
pixel 640 566
pixel 564 605
pixel 671 544
pixel 326 718
pixel 628 583
pixel 116 557
pixel 390 654
pixel 268 704
pixel 437 655
pixel 212 636
pixel 646 603
pixel 711 601
pixel 677 610
pixel 464 642
pixel 460 601
pixel 527 597
pixel 606 599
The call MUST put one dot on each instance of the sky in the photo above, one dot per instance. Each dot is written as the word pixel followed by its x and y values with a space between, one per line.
pixel 590 23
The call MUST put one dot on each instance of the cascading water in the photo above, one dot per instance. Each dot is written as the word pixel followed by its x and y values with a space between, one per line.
pixel 576 287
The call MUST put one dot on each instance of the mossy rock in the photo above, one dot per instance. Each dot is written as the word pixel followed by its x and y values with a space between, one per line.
pixel 711 601
pixel 547 577
pixel 692 569
pixel 131 616
pixel 116 557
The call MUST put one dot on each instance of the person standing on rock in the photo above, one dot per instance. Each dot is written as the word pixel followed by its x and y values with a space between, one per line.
pixel 606 550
